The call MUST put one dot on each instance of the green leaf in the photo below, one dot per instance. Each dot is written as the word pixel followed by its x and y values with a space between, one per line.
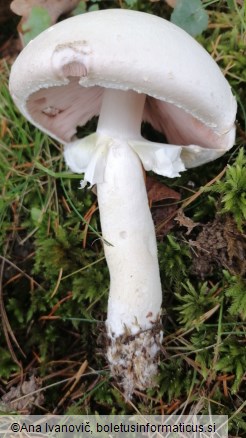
pixel 231 5
pixel 93 8
pixel 131 3
pixel 80 8
pixel 38 21
pixel 36 215
pixel 190 16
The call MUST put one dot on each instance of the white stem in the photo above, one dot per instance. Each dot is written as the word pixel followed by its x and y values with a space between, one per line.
pixel 121 114
pixel 135 288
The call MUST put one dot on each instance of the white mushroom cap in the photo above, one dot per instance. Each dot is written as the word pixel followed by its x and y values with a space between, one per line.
pixel 58 79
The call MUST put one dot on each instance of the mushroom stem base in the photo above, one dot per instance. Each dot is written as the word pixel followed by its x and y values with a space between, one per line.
pixel 133 359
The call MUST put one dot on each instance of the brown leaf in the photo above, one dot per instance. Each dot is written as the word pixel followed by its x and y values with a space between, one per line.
pixel 185 221
pixel 162 214
pixel 158 192
pixel 163 218
pixel 24 396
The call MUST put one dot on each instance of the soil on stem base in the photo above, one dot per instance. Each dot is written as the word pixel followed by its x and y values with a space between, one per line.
pixel 133 359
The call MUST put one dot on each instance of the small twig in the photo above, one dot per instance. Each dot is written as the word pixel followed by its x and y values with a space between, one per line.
pixel 8 332
pixel 76 379
pixel 58 283
pixel 21 271
pixel 189 200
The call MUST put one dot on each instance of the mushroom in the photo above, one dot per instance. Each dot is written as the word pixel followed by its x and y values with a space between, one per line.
pixel 126 67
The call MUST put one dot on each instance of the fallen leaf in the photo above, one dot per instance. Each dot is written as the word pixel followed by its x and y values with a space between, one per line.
pixel 38 15
pixel 37 22
pixel 158 192
pixel 24 397
pixel 185 221
pixel 191 16
pixel 55 8
pixel 163 217
pixel 163 213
